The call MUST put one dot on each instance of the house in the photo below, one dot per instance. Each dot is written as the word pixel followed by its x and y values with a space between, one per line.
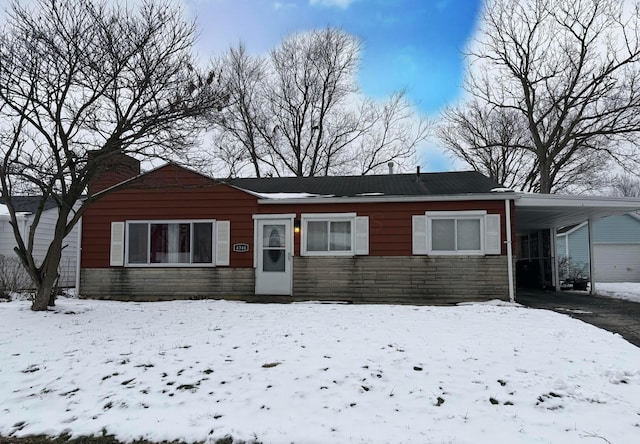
pixel 26 207
pixel 174 233
pixel 405 238
pixel 616 247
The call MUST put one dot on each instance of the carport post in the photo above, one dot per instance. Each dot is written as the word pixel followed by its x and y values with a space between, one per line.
pixel 554 258
pixel 592 290
pixel 507 210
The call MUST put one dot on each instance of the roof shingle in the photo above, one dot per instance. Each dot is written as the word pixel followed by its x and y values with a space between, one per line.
pixel 424 184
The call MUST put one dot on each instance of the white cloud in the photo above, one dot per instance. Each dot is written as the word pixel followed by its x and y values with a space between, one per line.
pixel 342 4
pixel 283 5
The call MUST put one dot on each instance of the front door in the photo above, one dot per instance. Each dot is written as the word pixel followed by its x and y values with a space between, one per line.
pixel 274 251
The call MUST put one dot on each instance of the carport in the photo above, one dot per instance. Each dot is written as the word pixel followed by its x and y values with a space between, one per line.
pixel 539 216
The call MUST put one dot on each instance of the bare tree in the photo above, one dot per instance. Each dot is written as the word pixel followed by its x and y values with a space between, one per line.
pixel 80 81
pixel 238 140
pixel 568 72
pixel 298 112
pixel 625 185
pixel 492 141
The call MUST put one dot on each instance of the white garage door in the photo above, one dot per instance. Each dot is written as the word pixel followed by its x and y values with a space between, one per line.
pixel 616 262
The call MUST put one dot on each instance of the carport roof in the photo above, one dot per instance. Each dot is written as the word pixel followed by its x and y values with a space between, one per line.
pixel 543 211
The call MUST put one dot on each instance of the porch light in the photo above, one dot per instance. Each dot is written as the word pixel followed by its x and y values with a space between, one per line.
pixel 296 226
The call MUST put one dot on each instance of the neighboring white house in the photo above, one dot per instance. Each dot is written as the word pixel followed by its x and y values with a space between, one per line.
pixel 26 206
pixel 616 247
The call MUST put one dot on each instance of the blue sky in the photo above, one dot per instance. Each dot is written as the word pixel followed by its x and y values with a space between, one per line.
pixel 412 44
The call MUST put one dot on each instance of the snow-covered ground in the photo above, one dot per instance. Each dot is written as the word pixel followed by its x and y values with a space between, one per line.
pixel 624 290
pixel 315 373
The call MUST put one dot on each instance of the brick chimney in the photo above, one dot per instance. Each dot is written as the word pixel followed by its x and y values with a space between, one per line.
pixel 112 170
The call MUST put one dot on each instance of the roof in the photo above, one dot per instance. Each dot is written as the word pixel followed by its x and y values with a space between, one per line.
pixel 565 230
pixel 544 211
pixel 29 204
pixel 424 184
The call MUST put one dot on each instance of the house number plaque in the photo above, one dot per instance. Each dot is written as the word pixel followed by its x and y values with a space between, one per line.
pixel 240 248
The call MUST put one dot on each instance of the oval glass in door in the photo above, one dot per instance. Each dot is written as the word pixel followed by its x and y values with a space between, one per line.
pixel 273 248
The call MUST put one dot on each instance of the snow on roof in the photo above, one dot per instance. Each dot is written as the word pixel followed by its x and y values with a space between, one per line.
pixel 4 212
pixel 287 195
pixel 370 194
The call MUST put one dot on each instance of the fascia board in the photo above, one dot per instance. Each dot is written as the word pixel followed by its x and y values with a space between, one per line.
pixel 384 199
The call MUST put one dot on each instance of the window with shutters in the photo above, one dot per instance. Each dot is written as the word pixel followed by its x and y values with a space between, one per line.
pixel 334 234
pixel 456 233
pixel 176 243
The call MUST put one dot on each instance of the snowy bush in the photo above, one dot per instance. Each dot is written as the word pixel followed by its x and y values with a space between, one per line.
pixel 13 276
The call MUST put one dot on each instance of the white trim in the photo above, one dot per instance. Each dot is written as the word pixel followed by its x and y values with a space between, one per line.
pixel 78 256
pixel 592 265
pixel 222 252
pixel 328 217
pixel 256 218
pixel 325 216
pixel 478 215
pixel 507 216
pixel 553 240
pixel 445 214
pixel 492 234
pixel 274 216
pixel 577 227
pixel 558 201
pixel 289 251
pixel 361 243
pixel 418 234
pixel 375 199
pixel 171 264
pixel 117 253
pixel 255 242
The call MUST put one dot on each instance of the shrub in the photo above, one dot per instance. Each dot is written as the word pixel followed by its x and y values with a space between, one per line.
pixel 13 276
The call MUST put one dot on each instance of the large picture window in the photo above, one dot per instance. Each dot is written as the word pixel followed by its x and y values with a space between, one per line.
pixel 172 243
pixel 328 234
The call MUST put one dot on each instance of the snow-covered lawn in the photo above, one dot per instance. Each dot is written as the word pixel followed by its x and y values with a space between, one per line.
pixel 623 290
pixel 315 373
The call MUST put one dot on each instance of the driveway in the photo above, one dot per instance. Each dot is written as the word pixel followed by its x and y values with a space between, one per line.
pixel 615 315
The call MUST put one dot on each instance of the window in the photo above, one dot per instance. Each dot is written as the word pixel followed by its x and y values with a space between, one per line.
pixel 334 234
pixel 455 235
pixel 175 243
pixel 456 232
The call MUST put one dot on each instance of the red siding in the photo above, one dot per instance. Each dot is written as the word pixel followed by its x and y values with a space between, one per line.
pixel 172 192
pixel 390 222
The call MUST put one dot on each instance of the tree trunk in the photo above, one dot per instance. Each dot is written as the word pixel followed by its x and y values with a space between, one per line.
pixel 545 175
pixel 48 273
pixel 44 294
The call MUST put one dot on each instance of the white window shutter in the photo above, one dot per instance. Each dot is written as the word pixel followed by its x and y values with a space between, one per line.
pixel 362 235
pixel 419 234
pixel 223 240
pixel 116 255
pixel 492 243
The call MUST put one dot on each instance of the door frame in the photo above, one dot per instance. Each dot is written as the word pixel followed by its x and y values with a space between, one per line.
pixel 290 250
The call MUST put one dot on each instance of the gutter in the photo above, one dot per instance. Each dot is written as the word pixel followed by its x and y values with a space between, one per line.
pixel 375 199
